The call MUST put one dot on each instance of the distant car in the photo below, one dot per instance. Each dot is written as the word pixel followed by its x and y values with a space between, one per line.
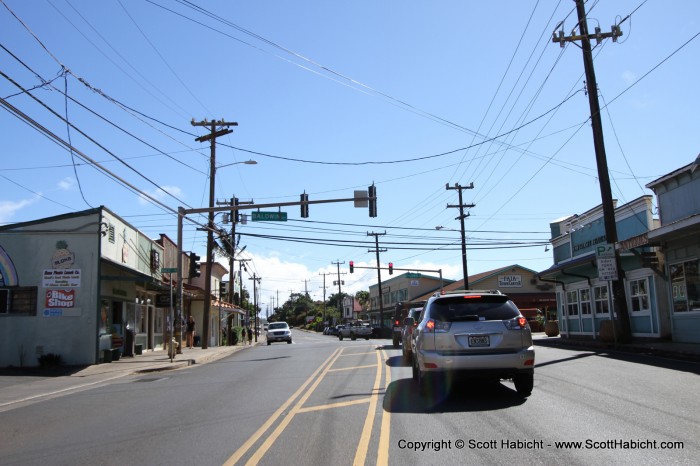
pixel 334 330
pixel 278 331
pixel 409 324
pixel 473 333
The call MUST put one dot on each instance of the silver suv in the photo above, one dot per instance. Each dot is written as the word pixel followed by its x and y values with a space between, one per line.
pixel 278 331
pixel 476 333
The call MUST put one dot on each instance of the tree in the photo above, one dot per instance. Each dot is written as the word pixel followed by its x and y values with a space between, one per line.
pixel 362 298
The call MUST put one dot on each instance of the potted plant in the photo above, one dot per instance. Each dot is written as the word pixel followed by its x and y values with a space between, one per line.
pixel 551 327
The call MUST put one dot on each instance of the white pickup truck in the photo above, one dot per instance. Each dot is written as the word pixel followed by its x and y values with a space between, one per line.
pixel 354 330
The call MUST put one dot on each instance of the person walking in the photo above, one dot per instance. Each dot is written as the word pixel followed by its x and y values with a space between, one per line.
pixel 243 335
pixel 250 336
pixel 189 331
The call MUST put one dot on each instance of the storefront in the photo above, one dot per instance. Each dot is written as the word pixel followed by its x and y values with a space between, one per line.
pixel 584 295
pixel 76 285
pixel 678 195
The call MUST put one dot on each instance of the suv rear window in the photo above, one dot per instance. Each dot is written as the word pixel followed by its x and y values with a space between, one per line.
pixel 459 308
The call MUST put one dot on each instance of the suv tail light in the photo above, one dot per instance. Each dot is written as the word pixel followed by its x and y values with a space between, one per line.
pixel 436 326
pixel 517 323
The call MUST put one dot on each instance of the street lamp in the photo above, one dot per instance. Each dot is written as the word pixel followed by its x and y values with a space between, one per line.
pixel 247 162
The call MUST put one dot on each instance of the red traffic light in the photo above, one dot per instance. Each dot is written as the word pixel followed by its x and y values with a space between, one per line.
pixel 352 267
pixel 391 268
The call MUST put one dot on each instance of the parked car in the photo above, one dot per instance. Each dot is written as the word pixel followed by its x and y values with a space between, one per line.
pixel 334 330
pixel 279 331
pixel 409 324
pixel 473 333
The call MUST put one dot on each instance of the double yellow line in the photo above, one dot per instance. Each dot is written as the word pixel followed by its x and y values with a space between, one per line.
pixel 312 383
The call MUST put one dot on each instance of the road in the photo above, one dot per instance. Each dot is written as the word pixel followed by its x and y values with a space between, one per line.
pixel 322 401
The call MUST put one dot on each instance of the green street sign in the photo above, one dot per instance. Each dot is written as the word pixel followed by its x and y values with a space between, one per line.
pixel 413 275
pixel 168 270
pixel 269 216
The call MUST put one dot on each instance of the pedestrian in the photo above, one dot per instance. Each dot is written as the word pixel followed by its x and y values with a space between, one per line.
pixel 189 332
pixel 243 335
pixel 250 336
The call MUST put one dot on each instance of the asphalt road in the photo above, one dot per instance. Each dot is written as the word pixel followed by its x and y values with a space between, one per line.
pixel 322 401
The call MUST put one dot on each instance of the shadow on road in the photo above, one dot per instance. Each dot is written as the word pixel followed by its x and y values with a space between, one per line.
pixel 461 395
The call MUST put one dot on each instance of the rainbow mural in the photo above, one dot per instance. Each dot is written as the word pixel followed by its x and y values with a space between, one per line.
pixel 8 273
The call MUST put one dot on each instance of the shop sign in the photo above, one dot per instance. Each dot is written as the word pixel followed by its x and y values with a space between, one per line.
pixel 510 281
pixel 61 278
pixel 60 298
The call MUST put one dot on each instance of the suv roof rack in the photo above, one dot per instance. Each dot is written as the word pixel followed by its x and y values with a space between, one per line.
pixel 446 293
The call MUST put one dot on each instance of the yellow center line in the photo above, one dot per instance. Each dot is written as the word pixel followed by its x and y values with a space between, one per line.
pixel 384 432
pixel 256 436
pixel 352 368
pixel 272 438
pixel 334 405
pixel 358 354
pixel 363 444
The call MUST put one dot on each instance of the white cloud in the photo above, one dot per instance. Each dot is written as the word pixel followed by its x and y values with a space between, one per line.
pixel 66 184
pixel 8 209
pixel 160 194
pixel 629 77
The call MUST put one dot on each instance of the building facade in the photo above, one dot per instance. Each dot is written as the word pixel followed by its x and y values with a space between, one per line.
pixel 678 236
pixel 583 286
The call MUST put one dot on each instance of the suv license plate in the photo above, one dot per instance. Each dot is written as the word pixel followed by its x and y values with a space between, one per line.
pixel 482 340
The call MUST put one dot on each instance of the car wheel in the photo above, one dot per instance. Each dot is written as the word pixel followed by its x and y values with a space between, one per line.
pixel 396 342
pixel 353 337
pixel 524 384
pixel 340 337
pixel 366 338
pixel 289 342
pixel 269 343
pixel 415 368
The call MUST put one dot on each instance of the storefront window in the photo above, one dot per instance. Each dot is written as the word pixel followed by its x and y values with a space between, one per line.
pixel 602 304
pixel 639 295
pixel 572 303
pixel 585 298
pixel 685 286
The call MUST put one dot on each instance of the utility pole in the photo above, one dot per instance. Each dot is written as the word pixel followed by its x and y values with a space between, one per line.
pixel 340 304
pixel 255 279
pixel 324 295
pixel 618 287
pixel 461 218
pixel 214 133
pixel 379 279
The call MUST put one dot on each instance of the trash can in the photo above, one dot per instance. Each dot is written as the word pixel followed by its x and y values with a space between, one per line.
pixel 129 341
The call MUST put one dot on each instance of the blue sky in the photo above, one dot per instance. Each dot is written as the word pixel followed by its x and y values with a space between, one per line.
pixel 331 97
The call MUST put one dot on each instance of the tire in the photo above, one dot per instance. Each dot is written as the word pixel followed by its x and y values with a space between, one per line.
pixel 352 336
pixel 366 338
pixel 289 342
pixel 269 343
pixel 340 336
pixel 396 341
pixel 415 369
pixel 524 384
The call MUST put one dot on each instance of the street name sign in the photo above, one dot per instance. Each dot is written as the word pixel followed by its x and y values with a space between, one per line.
pixel 269 216
pixel 168 270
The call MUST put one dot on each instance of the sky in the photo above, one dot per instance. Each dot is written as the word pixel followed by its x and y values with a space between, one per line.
pixel 331 97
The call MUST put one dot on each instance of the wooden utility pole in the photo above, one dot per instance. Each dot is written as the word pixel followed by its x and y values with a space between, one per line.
pixel 340 302
pixel 379 280
pixel 461 218
pixel 618 286
pixel 214 133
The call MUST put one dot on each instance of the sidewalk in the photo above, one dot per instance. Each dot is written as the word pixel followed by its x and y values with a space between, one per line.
pixel 670 349
pixel 25 385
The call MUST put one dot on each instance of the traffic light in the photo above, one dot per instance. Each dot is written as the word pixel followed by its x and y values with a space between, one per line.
pixel 194 271
pixel 372 194
pixel 304 205
pixel 391 268
pixel 352 267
